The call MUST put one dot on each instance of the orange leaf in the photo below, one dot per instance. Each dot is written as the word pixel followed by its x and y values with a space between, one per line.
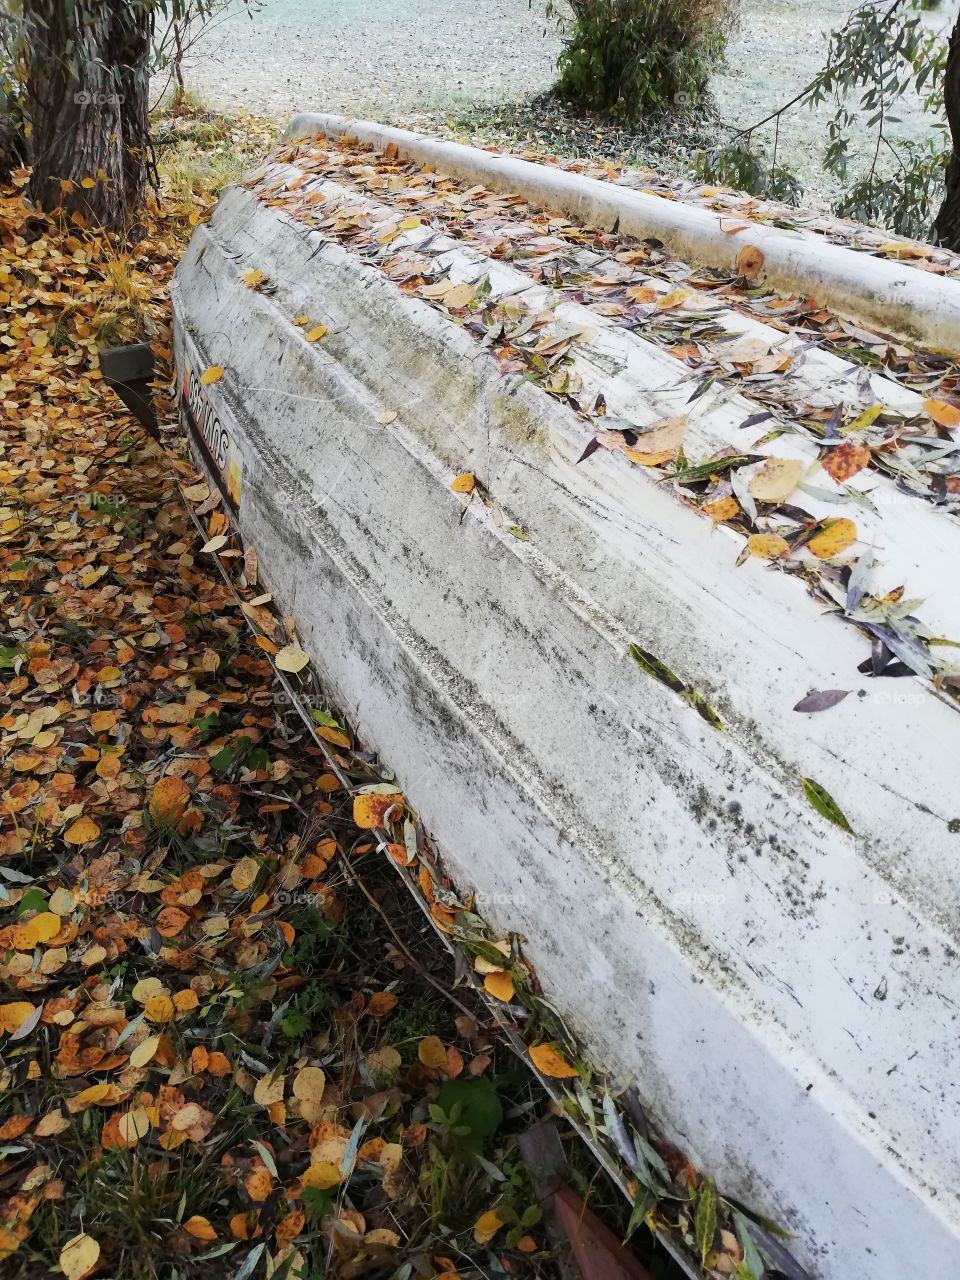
pixel 943 413
pixel 168 800
pixel 845 461
pixel 465 483
pixel 500 985
pixel 486 1226
pixel 749 261
pixel 380 1003
pixel 258 1185
pixel 550 1063
pixel 200 1228
pixel 171 921
pixel 398 852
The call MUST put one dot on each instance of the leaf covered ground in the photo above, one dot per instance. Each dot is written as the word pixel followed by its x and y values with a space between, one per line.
pixel 222 1049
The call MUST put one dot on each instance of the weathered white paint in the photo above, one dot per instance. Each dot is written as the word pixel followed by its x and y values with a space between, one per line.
pixel 900 299
pixel 785 994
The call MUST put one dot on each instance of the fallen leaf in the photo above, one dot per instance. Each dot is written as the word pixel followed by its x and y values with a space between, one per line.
pixel 487 1226
pixel 721 509
pixel 825 805
pixel 660 444
pixel 291 658
pixel 244 873
pixel 269 1089
pixel 750 262
pixel 81 831
pixel 213 374
pixel 79 1256
pixel 943 413
pixel 370 809
pixel 200 1228
pixel 168 800
pixel 461 295
pixel 551 1063
pixel 432 1052
pixel 309 1084
pixel 14 1015
pixel 465 483
pixel 500 985
pixel 776 479
pixel 768 546
pixel 381 1003
pixel 834 537
pixel 321 1175
pixel 845 461
pixel 144 1051
pixel 821 700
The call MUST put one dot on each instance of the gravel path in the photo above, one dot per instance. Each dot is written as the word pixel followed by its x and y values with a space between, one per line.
pixel 369 56
pixel 436 58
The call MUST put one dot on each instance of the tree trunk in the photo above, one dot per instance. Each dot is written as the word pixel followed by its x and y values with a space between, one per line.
pixel 86 100
pixel 946 229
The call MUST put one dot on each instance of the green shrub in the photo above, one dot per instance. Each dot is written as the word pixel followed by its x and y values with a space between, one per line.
pixel 638 57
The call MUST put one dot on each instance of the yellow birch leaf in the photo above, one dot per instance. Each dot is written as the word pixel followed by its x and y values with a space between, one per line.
pixel 431 1051
pixel 461 295
pixel 244 873
pixel 14 1015
pixel 269 1089
pixel 309 1084
pixel 768 546
pixel 291 658
pixel 655 447
pixel 834 537
pixel 158 1009
pixel 45 925
pixel 144 1051
pixel 321 1175
pixel 79 1256
pixel 81 831
pixel 721 509
pixel 776 479
pixel 213 374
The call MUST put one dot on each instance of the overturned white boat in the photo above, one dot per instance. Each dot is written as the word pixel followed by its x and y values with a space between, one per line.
pixel 642 587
